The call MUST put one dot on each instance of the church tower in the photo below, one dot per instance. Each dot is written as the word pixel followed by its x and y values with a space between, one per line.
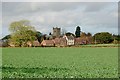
pixel 56 32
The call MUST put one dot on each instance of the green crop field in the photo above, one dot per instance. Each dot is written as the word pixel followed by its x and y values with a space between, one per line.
pixel 60 62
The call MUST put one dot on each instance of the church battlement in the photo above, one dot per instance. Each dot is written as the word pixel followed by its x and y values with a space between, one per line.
pixel 56 32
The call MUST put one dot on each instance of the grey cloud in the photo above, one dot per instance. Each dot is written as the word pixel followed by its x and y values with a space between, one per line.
pixel 97 6
pixel 44 16
pixel 60 0
pixel 32 7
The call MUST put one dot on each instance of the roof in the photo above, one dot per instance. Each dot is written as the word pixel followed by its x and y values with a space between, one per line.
pixel 48 41
pixel 70 37
pixel 62 39
pixel 79 39
pixel 56 40
pixel 36 43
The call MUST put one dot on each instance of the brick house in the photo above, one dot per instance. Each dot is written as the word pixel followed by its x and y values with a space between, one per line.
pixel 79 41
pixel 63 42
pixel 29 44
pixel 83 40
pixel 36 43
pixel 47 43
pixel 57 41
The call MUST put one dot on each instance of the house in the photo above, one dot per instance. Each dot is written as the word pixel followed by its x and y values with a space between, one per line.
pixel 11 44
pixel 29 44
pixel 36 43
pixel 69 39
pixel 56 41
pixel 63 42
pixel 83 40
pixel 79 41
pixel 47 43
pixel 89 40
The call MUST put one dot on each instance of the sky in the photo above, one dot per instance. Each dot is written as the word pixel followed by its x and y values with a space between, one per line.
pixel 92 16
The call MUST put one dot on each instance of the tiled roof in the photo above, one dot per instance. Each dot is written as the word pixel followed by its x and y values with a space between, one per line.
pixel 70 37
pixel 56 40
pixel 36 43
pixel 49 41
pixel 79 39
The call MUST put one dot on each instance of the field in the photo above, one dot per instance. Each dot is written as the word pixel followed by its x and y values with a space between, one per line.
pixel 60 62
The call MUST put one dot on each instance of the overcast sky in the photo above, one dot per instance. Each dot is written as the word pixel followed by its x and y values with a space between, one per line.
pixel 92 17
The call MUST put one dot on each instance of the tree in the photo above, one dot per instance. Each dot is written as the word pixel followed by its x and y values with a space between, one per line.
pixel 5 40
pixel 116 39
pixel 83 34
pixel 87 37
pixel 89 34
pixel 39 36
pixel 78 31
pixel 103 37
pixel 22 32
pixel 6 37
pixel 50 33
